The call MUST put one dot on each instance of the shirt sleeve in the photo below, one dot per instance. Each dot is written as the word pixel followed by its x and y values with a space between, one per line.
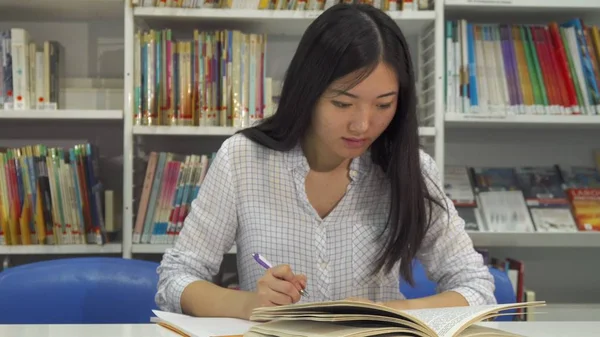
pixel 447 252
pixel 208 233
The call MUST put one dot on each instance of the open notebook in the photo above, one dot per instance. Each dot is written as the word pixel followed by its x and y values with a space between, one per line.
pixel 345 319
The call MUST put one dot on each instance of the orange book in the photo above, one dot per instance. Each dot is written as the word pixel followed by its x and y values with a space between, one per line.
pixel 585 204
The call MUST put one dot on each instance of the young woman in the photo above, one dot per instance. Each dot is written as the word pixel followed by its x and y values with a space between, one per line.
pixel 333 189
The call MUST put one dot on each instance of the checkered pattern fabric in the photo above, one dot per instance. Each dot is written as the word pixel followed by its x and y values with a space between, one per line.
pixel 255 198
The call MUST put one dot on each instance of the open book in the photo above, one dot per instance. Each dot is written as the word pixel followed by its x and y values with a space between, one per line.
pixel 358 319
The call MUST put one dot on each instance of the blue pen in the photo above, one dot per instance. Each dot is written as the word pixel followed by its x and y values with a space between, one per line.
pixel 267 265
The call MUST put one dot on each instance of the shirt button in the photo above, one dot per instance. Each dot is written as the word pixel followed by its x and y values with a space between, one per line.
pixel 353 174
pixel 323 265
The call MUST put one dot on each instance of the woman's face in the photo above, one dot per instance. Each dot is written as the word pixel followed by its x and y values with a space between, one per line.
pixel 346 123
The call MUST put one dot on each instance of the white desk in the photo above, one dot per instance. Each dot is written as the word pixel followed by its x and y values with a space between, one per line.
pixel 528 329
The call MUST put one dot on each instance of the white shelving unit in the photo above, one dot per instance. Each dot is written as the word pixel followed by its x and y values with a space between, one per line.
pixel 445 133
pixel 286 26
pixel 455 139
pixel 86 112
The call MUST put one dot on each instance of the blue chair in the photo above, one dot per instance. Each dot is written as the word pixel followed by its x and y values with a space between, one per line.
pixel 90 290
pixel 423 287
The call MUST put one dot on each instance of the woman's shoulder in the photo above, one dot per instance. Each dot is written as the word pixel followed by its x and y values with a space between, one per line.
pixel 428 164
pixel 242 150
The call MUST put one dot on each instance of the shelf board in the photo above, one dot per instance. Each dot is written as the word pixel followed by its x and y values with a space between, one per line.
pixel 518 5
pixel 522 121
pixel 110 248
pixel 143 248
pixel 539 240
pixel 161 130
pixel 66 114
pixel 267 21
pixel 184 130
pixel 61 10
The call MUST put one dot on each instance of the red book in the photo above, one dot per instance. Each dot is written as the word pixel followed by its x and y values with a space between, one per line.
pixel 564 66
pixel 557 77
pixel 540 50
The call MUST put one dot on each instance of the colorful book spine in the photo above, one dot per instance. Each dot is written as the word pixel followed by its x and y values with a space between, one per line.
pixel 43 195
pixel 512 69
pixel 217 78
pixel 171 184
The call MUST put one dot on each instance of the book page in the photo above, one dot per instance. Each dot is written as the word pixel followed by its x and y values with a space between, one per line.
pixel 322 329
pixel 443 322
pixel 446 322
pixel 205 326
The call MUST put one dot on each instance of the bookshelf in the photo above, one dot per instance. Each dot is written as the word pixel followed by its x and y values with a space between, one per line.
pixel 463 139
pixel 283 29
pixel 88 97
pixel 98 37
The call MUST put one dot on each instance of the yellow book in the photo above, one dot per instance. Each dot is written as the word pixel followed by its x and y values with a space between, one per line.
pixel 595 37
pixel 40 224
pixel 24 222
pixel 522 68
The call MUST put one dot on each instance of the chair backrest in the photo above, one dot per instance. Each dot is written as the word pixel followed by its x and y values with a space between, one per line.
pixel 423 287
pixel 79 291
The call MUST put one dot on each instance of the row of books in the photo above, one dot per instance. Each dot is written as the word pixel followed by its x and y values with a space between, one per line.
pixel 170 185
pixel 500 69
pixel 215 79
pixel 526 199
pixel 298 5
pixel 28 72
pixel 51 196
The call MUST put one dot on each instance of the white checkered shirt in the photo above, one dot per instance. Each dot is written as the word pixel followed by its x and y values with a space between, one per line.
pixel 255 197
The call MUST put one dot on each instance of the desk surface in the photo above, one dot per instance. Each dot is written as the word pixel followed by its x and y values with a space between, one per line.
pixel 528 329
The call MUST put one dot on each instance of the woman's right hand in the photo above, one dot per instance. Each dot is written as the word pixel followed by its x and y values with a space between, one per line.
pixel 278 286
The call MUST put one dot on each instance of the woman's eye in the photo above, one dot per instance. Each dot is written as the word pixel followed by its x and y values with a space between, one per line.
pixel 384 106
pixel 340 104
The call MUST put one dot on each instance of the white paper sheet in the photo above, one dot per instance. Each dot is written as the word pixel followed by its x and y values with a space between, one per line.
pixel 205 326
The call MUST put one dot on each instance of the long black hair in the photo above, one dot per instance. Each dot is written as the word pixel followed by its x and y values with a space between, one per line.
pixel 348 39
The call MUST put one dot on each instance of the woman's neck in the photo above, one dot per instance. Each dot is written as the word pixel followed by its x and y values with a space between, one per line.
pixel 320 159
